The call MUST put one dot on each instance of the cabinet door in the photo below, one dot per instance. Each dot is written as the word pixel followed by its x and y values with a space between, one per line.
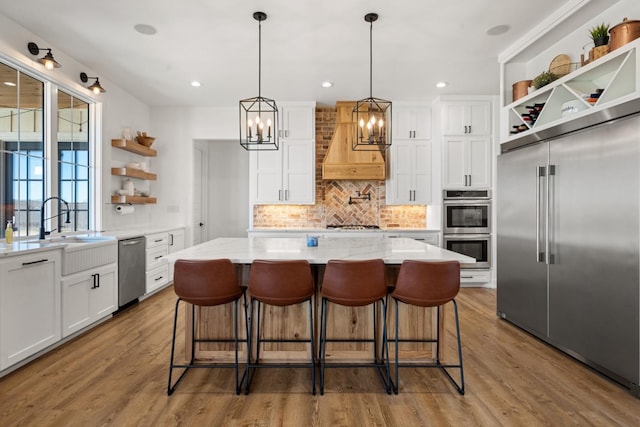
pixel 29 305
pixel 478 159
pixel 400 182
pixel 466 118
pixel 454 162
pixel 298 172
pixel 104 298
pixel 412 123
pixel 176 240
pixel 76 314
pixel 454 118
pixel 266 176
pixel 297 122
pixel 479 118
pixel 422 173
pixel 409 180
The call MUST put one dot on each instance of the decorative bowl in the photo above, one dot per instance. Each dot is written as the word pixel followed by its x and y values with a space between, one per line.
pixel 145 140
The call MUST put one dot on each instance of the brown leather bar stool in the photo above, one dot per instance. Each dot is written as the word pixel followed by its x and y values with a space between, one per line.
pixel 429 284
pixel 280 283
pixel 356 284
pixel 206 283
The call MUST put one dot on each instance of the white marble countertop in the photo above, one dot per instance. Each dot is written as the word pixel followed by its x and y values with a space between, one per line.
pixel 245 250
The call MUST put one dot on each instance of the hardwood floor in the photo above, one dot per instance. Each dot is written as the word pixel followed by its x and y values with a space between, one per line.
pixel 116 375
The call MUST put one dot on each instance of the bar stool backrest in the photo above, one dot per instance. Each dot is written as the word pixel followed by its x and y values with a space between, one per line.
pixel 206 282
pixel 281 283
pixel 354 283
pixel 427 283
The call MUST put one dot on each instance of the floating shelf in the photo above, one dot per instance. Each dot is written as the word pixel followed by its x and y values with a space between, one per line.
pixel 134 147
pixel 133 173
pixel 138 200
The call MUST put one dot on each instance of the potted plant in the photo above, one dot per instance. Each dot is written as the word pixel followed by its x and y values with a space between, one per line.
pixel 600 34
pixel 544 79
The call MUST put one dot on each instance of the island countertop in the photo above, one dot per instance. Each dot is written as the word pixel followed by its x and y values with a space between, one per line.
pixel 243 250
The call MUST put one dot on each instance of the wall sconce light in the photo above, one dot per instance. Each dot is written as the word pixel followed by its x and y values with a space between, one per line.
pixel 95 87
pixel 47 60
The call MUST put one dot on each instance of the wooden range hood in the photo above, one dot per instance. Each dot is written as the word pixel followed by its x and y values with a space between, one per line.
pixel 341 162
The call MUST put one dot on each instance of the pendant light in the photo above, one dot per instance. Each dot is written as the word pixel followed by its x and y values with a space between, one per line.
pixel 372 115
pixel 258 115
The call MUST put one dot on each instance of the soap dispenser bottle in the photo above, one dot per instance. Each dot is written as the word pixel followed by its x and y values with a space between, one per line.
pixel 8 233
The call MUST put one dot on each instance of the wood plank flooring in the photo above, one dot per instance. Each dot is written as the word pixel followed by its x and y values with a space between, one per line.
pixel 116 375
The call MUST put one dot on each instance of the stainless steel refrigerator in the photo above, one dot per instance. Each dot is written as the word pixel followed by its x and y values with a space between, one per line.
pixel 568 245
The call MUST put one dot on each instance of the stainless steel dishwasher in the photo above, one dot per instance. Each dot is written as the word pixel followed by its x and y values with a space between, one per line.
pixel 131 269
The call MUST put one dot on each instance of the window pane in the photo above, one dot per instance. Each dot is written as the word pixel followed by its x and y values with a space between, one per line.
pixel 30 104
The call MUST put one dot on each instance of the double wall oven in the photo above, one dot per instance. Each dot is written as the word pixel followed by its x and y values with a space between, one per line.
pixel 467 225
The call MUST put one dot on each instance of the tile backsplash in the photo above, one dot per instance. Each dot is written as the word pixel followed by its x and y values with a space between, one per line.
pixel 332 198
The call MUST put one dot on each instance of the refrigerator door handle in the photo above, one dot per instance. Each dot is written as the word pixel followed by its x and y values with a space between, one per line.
pixel 540 172
pixel 551 171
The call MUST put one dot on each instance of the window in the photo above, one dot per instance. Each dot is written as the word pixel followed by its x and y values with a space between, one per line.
pixel 35 165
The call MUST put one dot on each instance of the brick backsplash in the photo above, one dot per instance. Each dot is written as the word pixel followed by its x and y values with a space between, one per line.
pixel 332 197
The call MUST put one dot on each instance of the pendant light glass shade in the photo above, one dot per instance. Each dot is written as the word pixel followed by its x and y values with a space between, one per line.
pixel 372 115
pixel 259 115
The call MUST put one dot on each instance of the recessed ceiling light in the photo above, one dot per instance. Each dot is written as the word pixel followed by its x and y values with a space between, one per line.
pixel 10 83
pixel 327 84
pixel 195 83
pixel 145 29
pixel 441 84
pixel 498 29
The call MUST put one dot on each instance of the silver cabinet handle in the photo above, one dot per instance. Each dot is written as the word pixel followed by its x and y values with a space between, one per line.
pixel 286 194
pixel 279 133
pixel 469 128
pixel 469 180
pixel 279 194
pixel 286 133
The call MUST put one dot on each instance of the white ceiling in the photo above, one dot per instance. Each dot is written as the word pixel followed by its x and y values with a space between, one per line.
pixel 416 43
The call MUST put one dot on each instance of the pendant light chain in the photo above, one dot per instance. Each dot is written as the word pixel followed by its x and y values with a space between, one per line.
pixel 371 59
pixel 259 58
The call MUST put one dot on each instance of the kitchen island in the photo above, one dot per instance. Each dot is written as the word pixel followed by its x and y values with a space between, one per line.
pixel 347 321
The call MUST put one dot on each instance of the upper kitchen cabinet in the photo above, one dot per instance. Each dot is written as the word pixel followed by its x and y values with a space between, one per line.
pixel 466 117
pixel 411 122
pixel 409 173
pixel 467 162
pixel 297 120
pixel 287 175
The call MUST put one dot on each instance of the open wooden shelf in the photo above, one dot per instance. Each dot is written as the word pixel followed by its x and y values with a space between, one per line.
pixel 134 147
pixel 138 200
pixel 134 173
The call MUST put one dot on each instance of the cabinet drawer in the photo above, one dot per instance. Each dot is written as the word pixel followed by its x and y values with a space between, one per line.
pixel 157 278
pixel 154 256
pixel 475 276
pixel 157 239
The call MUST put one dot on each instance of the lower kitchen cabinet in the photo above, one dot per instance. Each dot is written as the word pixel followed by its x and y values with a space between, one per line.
pixel 29 305
pixel 176 243
pixel 157 272
pixel 87 297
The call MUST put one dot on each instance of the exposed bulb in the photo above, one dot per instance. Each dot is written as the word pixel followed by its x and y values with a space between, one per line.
pixel 257 119
pixel 249 123
pixel 96 90
pixel 380 123
pixel 373 120
pixel 268 122
pixel 369 125
pixel 48 65
pixel 361 123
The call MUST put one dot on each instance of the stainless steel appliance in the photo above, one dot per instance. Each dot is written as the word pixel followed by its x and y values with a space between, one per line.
pixel 131 269
pixel 467 225
pixel 477 246
pixel 568 245
pixel 467 211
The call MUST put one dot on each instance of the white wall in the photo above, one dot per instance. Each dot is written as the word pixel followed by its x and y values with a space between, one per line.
pixel 119 109
pixel 176 129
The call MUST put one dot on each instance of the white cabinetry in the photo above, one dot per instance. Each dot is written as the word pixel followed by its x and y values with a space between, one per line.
pixel 466 118
pixel 411 122
pixel 29 305
pixel 467 162
pixel 409 180
pixel 176 243
pixel 88 296
pixel 287 175
pixel 157 270
pixel 297 121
